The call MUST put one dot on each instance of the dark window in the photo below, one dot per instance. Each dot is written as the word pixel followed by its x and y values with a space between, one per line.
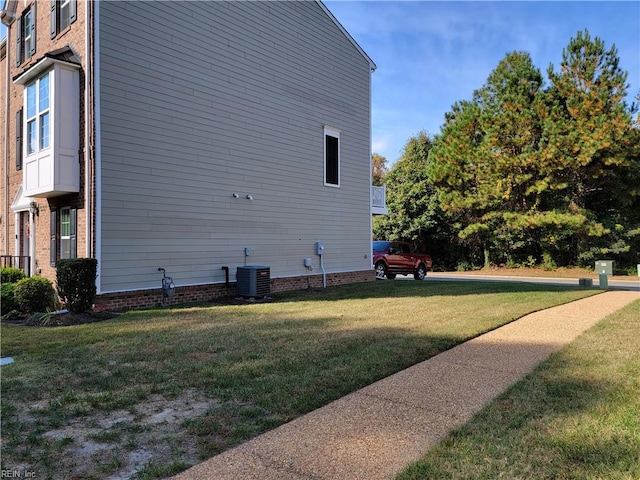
pixel 63 14
pixel 26 35
pixel 331 157
pixel 63 243
pixel 19 140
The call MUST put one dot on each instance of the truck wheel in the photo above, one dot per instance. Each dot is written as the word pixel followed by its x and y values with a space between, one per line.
pixel 421 272
pixel 381 270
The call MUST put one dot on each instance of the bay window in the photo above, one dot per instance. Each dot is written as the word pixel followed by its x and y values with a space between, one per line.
pixel 38 115
pixel 49 131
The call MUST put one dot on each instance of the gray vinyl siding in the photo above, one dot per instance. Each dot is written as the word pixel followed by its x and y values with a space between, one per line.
pixel 200 100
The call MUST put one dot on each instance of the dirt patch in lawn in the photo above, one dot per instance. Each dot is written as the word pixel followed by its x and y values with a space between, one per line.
pixel 149 440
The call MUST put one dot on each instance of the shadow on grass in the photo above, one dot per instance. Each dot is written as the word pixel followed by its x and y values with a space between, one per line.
pixel 261 366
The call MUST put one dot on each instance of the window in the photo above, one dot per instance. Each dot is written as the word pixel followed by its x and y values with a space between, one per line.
pixel 63 14
pixel 50 127
pixel 63 234
pixel 19 140
pixel 37 118
pixel 26 40
pixel 331 157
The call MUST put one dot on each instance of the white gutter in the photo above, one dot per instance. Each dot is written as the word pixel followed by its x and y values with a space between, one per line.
pixel 98 141
pixel 370 169
pixel 87 145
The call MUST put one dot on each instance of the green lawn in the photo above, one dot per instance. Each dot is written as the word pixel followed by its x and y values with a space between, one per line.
pixel 576 417
pixel 153 391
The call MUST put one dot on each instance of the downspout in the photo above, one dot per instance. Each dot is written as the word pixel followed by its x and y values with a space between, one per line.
pixel 324 273
pixel 371 70
pixel 97 145
pixel 88 167
pixel 5 199
pixel 8 17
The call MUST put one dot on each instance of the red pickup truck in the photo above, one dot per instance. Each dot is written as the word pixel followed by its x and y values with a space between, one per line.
pixel 391 258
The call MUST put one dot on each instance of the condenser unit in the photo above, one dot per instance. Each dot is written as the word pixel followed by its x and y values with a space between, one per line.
pixel 253 281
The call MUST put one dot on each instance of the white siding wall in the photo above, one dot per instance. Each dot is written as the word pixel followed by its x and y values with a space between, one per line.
pixel 200 100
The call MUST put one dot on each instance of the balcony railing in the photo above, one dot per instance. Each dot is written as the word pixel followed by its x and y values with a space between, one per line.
pixel 379 200
pixel 23 262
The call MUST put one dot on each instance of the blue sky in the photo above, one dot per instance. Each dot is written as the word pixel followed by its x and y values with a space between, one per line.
pixel 432 54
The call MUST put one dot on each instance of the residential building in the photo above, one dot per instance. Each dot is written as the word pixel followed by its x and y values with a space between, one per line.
pixel 196 137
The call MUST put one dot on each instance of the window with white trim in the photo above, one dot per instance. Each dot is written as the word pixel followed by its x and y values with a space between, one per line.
pixel 65 233
pixel 64 225
pixel 63 14
pixel 37 118
pixel 331 157
pixel 26 35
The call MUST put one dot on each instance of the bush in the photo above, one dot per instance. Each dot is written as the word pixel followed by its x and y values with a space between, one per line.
pixel 11 275
pixel 548 263
pixel 35 294
pixel 7 298
pixel 76 278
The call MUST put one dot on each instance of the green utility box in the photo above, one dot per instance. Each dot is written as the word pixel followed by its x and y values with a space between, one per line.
pixel 604 267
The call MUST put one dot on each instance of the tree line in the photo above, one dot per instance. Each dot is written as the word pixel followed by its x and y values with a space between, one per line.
pixel 526 172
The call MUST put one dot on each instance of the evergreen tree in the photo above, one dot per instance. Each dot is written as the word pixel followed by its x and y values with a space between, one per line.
pixel 414 213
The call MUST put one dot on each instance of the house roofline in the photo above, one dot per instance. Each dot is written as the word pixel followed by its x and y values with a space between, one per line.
pixel 344 31
pixel 8 12
pixel 62 56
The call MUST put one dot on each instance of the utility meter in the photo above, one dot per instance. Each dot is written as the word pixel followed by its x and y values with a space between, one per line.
pixel 319 248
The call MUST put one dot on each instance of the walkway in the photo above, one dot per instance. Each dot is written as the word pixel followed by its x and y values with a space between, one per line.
pixel 377 431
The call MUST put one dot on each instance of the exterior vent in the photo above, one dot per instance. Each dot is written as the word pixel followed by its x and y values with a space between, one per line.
pixel 253 281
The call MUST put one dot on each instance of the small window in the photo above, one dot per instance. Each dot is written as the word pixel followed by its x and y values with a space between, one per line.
pixel 63 14
pixel 26 41
pixel 331 157
pixel 63 234
pixel 19 140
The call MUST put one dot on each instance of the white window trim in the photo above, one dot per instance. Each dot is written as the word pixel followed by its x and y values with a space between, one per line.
pixel 62 5
pixel 38 117
pixel 67 211
pixel 332 132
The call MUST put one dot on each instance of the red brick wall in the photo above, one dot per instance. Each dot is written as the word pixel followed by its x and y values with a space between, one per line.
pixel 205 293
pixel 73 36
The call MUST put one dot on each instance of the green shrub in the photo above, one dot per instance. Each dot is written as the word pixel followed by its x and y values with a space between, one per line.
pixel 35 294
pixel 76 279
pixel 548 263
pixel 7 298
pixel 464 267
pixel 11 275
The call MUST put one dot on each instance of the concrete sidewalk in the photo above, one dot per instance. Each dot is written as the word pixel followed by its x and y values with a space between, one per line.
pixel 377 431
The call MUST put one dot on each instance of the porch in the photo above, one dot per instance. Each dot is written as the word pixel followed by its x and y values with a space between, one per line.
pixel 23 262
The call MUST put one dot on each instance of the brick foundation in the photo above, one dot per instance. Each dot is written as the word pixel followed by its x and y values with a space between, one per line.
pixel 205 293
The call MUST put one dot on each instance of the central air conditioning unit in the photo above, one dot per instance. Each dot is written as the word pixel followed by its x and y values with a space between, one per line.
pixel 253 281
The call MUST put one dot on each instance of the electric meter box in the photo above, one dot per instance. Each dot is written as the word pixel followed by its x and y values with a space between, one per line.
pixel 604 267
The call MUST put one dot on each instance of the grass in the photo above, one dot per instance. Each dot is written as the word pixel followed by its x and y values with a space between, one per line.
pixel 243 369
pixel 575 417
